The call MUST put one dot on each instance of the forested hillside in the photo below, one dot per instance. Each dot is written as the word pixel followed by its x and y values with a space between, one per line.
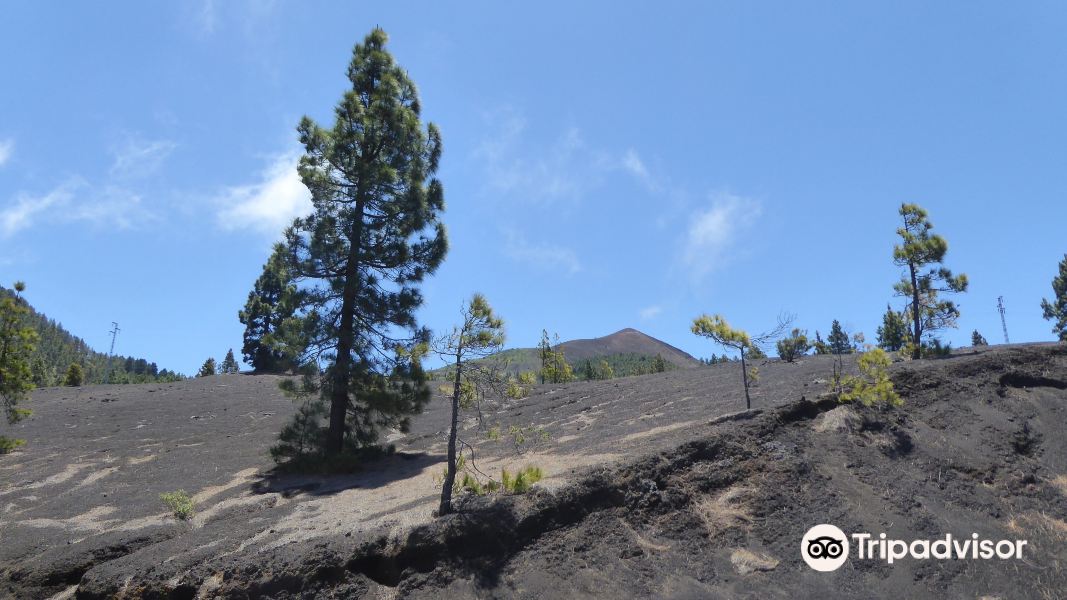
pixel 57 349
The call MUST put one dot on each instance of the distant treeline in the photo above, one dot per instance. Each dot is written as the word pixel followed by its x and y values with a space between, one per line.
pixel 56 349
pixel 608 366
pixel 622 365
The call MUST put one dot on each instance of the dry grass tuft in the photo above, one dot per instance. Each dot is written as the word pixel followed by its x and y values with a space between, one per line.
pixel 746 561
pixel 726 510
pixel 1060 483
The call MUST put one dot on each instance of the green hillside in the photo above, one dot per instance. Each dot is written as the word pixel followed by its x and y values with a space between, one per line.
pixel 57 349
pixel 627 352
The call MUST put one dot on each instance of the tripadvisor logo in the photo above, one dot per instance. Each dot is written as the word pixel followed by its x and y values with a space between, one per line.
pixel 825 548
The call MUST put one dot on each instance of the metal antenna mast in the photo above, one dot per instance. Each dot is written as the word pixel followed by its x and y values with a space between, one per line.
pixel 1003 323
pixel 114 333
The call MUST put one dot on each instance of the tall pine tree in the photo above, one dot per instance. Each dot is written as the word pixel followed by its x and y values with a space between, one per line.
pixel 918 250
pixel 16 348
pixel 373 236
pixel 1056 310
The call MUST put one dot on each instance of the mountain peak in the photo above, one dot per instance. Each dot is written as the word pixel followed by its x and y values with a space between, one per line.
pixel 626 341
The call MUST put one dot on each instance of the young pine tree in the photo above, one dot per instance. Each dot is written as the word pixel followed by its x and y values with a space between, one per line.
pixel 659 364
pixel 604 370
pixel 794 345
pixel 229 364
pixel 820 346
pixel 588 372
pixel 207 369
pixel 75 376
pixel 838 339
pixel 554 365
pixel 480 334
pixel 977 339
pixel 717 329
pixel 373 236
pixel 544 349
pixel 1056 311
pixel 268 316
pixel 16 348
pixel 893 333
pixel 922 287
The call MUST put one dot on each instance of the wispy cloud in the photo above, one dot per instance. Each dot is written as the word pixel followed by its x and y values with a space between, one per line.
pixel 651 312
pixel 563 170
pixel 136 157
pixel 75 200
pixel 26 208
pixel 207 17
pixel 715 233
pixel 632 162
pixel 112 206
pixel 111 201
pixel 6 148
pixel 518 168
pixel 269 204
pixel 546 257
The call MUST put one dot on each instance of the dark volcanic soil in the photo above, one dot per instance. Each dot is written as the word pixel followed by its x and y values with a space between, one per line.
pixel 651 491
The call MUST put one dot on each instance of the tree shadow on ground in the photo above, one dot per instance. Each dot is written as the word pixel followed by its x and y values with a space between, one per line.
pixel 373 473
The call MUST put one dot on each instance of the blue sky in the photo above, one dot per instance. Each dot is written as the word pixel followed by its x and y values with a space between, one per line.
pixel 606 164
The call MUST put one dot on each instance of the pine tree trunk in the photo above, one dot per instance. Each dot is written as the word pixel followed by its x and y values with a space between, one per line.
pixel 916 351
pixel 335 435
pixel 744 377
pixel 450 472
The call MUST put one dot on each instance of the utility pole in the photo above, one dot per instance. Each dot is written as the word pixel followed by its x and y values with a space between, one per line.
pixel 1003 323
pixel 114 333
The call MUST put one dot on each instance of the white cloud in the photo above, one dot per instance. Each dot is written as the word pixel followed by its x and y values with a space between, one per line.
pixel 714 233
pixel 26 208
pixel 75 201
pixel 6 148
pixel 108 203
pixel 636 167
pixel 651 312
pixel 545 257
pixel 270 204
pixel 112 206
pixel 568 168
pixel 139 158
pixel 564 170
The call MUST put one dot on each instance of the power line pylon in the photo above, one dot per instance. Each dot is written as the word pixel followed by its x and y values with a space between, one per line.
pixel 1003 323
pixel 114 333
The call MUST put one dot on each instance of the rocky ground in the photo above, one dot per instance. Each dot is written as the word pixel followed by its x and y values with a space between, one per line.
pixel 656 487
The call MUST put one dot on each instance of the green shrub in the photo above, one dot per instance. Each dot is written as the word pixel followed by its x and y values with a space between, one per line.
pixel 873 386
pixel 753 375
pixel 8 444
pixel 522 481
pixel 521 435
pixel 516 390
pixel 935 349
pixel 796 344
pixel 517 483
pixel 179 503
pixel 75 376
